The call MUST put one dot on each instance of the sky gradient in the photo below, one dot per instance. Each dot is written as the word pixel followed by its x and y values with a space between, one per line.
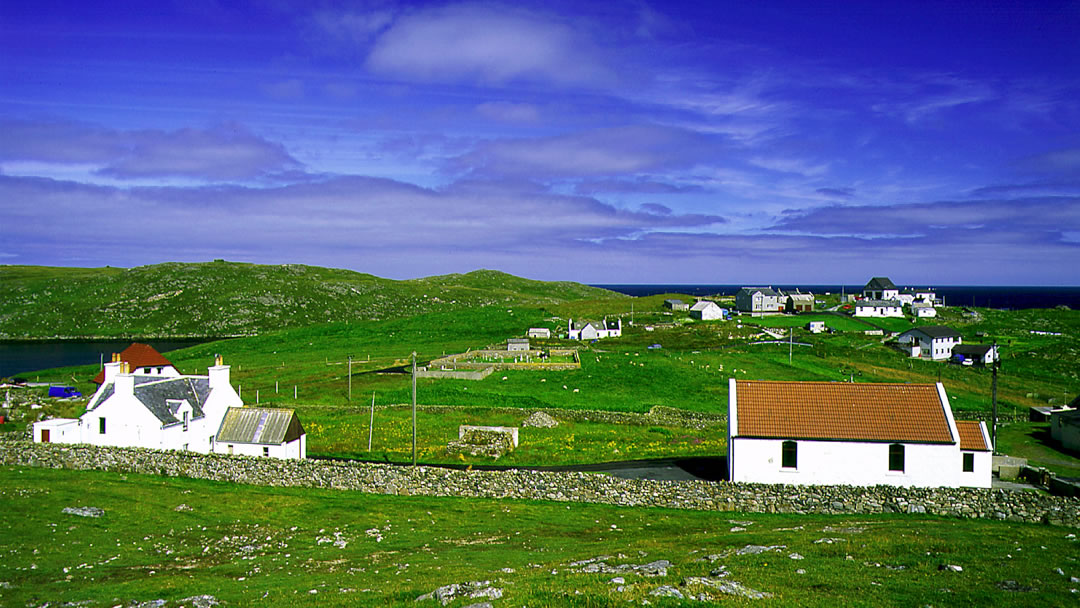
pixel 616 142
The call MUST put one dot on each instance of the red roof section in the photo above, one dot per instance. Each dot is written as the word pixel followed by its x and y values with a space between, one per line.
pixel 911 413
pixel 971 436
pixel 138 355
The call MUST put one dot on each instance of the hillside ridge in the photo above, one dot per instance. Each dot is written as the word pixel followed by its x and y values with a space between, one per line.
pixel 225 299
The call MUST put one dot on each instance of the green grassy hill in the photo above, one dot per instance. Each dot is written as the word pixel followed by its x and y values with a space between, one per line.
pixel 219 299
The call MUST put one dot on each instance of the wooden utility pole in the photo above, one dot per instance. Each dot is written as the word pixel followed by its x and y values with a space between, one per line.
pixel 350 378
pixel 790 337
pixel 371 423
pixel 993 398
pixel 414 408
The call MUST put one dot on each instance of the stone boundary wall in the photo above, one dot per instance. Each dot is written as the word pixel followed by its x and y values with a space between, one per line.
pixel 479 374
pixel 657 415
pixel 465 361
pixel 556 486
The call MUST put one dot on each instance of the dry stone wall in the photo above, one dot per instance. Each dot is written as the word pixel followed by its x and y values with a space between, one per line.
pixel 557 486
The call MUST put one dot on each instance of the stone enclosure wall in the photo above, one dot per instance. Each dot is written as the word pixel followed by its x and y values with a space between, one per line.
pixel 557 486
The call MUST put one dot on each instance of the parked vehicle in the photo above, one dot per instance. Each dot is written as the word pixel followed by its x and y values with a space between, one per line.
pixel 63 392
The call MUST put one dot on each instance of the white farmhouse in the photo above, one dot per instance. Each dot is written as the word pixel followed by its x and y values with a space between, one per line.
pixel 879 308
pixel 261 431
pixel 933 342
pixel 759 300
pixel 594 330
pixel 706 310
pixel 975 354
pixel 881 288
pixel 840 433
pixel 149 411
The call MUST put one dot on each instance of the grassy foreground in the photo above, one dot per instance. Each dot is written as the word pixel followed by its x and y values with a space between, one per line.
pixel 172 539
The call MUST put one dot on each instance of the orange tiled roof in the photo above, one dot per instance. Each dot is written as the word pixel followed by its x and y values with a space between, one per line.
pixel 971 435
pixel 911 413
pixel 138 355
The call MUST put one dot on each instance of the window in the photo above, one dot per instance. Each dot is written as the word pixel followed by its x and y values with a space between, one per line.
pixel 187 418
pixel 969 462
pixel 266 451
pixel 896 457
pixel 101 426
pixel 789 455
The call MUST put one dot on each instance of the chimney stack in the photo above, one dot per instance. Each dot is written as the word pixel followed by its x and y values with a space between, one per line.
pixel 218 374
pixel 124 380
pixel 112 368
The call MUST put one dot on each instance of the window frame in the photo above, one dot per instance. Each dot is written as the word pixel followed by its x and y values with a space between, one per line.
pixel 969 462
pixel 897 454
pixel 789 455
pixel 101 425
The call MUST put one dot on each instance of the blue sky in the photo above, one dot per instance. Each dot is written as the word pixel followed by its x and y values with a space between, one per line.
pixel 616 142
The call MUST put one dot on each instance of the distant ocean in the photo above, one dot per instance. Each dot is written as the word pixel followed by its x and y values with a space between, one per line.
pixel 1004 297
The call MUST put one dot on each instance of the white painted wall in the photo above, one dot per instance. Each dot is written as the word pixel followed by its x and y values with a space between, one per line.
pixel 293 450
pixel 850 463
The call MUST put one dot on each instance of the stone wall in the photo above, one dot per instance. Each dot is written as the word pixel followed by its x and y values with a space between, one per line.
pixel 446 374
pixel 557 486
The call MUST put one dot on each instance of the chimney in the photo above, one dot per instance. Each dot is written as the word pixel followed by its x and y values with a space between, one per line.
pixel 218 373
pixel 123 380
pixel 112 368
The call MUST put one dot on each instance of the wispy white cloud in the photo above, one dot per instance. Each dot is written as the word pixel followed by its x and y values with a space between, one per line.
pixel 489 44
pixel 225 152
pixel 509 112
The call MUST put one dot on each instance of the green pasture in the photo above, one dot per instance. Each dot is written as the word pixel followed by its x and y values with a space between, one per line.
pixel 172 539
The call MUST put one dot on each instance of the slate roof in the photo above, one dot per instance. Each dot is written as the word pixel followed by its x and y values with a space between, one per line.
pixel 259 425
pixel 768 291
pixel 703 304
pixel 877 303
pixel 935 331
pixel 879 284
pixel 162 396
pixel 909 413
pixel 138 355
pixel 971 350
pixel 802 297
pixel 971 436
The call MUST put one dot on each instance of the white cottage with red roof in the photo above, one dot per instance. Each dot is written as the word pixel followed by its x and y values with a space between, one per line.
pixel 142 360
pixel 839 433
pixel 158 411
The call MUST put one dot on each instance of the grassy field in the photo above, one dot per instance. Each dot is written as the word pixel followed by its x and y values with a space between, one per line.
pixel 173 539
pixel 689 372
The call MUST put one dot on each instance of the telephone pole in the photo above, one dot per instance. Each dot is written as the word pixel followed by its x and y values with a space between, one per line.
pixel 350 378
pixel 993 397
pixel 414 408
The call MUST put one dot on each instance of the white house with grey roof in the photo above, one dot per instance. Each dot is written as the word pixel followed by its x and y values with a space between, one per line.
pixel 878 308
pixel 261 431
pixel 934 342
pixel 594 330
pixel 759 300
pixel 142 411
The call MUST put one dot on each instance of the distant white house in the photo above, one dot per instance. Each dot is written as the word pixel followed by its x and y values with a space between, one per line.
pixel 878 308
pixel 517 344
pixel 594 330
pixel 841 433
pixel 759 300
pixel 261 431
pixel 933 342
pixel 149 411
pixel 923 310
pixel 881 288
pixel 706 310
pixel 539 332
pixel 975 354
